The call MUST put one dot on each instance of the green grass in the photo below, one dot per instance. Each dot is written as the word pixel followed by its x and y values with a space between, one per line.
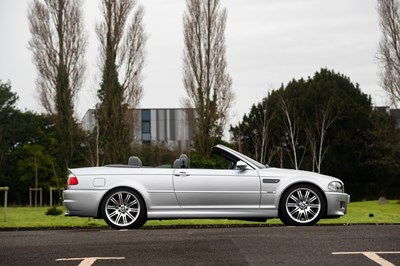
pixel 361 212
pixel 358 213
pixel 30 217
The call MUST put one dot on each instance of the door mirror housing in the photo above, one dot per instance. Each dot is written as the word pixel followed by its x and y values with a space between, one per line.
pixel 241 165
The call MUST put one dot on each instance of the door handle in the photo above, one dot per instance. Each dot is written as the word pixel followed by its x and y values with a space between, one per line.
pixel 183 174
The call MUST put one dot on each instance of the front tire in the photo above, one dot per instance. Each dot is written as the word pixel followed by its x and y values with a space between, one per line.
pixel 301 204
pixel 123 208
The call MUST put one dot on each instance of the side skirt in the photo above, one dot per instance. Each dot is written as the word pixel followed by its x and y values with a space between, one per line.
pixel 247 214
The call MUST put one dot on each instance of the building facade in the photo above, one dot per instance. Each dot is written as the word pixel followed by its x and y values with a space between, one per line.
pixel 395 113
pixel 172 127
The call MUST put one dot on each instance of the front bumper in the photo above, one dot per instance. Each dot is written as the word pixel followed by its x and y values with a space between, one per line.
pixel 83 203
pixel 336 204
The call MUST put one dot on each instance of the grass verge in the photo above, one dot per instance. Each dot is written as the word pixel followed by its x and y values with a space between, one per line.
pixel 366 212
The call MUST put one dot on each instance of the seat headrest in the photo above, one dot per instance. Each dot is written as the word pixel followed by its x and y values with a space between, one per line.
pixel 182 162
pixel 177 164
pixel 134 161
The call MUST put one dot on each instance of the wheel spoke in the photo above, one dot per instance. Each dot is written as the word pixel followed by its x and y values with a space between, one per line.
pixel 294 198
pixel 306 195
pixel 125 221
pixel 120 199
pixel 297 209
pixel 135 210
pixel 114 201
pixel 113 213
pixel 299 194
pixel 130 216
pixel 133 202
pixel 118 218
pixel 127 199
pixel 312 212
pixel 299 215
pixel 112 207
pixel 305 215
pixel 313 199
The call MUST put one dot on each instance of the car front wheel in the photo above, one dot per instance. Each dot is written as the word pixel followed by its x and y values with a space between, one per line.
pixel 124 209
pixel 301 205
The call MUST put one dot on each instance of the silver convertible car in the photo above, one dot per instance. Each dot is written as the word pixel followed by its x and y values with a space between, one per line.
pixel 126 196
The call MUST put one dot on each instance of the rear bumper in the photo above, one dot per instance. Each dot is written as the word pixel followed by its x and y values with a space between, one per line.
pixel 82 202
pixel 336 204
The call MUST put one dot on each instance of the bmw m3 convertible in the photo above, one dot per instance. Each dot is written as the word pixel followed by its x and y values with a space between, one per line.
pixel 126 196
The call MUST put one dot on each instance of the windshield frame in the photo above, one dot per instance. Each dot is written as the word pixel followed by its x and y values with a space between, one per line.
pixel 251 162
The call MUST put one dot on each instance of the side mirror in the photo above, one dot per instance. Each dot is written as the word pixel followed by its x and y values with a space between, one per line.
pixel 241 165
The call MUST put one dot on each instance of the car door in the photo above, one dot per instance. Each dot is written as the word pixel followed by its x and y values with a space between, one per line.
pixel 217 188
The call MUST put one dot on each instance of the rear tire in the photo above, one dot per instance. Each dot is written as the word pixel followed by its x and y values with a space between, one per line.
pixel 301 204
pixel 123 208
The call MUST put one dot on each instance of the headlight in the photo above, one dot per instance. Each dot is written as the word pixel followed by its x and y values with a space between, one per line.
pixel 336 186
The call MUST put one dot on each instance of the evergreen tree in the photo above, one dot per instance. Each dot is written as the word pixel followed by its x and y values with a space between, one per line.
pixel 345 140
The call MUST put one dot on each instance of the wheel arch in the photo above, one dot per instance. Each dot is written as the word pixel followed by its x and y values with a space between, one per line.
pixel 115 189
pixel 320 190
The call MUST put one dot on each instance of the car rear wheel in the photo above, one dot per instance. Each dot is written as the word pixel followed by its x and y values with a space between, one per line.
pixel 301 205
pixel 124 209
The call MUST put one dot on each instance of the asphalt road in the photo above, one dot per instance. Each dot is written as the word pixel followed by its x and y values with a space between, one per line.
pixel 316 245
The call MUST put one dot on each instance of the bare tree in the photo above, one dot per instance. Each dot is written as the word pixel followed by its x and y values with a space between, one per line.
pixel 122 38
pixel 261 137
pixel 291 128
pixel 207 83
pixel 265 135
pixel 58 45
pixel 389 47
pixel 317 132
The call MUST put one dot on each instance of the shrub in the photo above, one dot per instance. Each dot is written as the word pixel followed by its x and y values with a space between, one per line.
pixel 54 211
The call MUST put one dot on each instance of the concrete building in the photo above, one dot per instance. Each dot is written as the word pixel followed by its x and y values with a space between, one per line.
pixel 395 113
pixel 89 120
pixel 172 127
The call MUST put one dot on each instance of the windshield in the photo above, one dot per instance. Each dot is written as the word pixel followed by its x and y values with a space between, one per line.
pixel 242 156
pixel 259 165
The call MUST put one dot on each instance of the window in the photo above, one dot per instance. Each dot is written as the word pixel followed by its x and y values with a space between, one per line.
pixel 146 125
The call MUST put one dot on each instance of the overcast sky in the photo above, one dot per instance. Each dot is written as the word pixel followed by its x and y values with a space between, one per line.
pixel 269 42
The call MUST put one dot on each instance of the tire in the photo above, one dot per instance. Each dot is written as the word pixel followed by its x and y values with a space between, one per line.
pixel 301 204
pixel 123 208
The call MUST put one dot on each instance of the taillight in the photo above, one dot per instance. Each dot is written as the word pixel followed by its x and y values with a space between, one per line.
pixel 72 180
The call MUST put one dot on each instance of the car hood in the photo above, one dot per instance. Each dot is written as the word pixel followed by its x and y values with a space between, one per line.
pixel 291 173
